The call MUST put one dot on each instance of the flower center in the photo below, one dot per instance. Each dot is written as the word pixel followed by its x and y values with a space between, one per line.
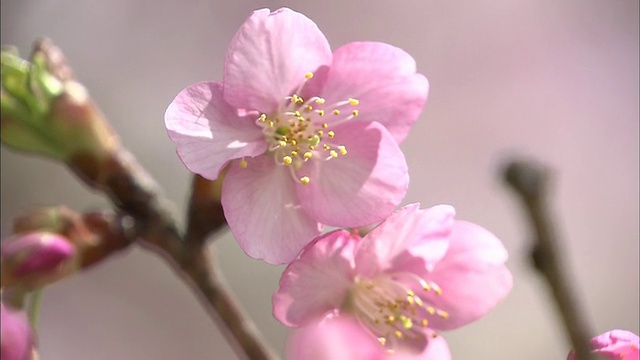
pixel 392 311
pixel 301 129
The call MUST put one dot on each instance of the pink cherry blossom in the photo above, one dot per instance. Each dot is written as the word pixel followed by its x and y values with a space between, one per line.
pixel 419 271
pixel 614 345
pixel 310 137
pixel 342 338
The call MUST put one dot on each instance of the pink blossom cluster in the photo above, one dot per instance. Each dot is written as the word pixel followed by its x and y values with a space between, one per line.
pixel 305 137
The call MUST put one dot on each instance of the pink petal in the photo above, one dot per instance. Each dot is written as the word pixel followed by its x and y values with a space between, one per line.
pixel 337 338
pixel 404 237
pixel 208 132
pixel 361 187
pixel 472 276
pixel 318 281
pixel 615 344
pixel 383 78
pixel 16 338
pixel 436 349
pixel 263 212
pixel 269 56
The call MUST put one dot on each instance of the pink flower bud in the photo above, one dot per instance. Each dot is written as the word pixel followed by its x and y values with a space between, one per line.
pixel 16 339
pixel 35 259
pixel 614 345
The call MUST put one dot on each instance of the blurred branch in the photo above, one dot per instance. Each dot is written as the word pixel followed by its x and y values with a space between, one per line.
pixel 105 165
pixel 530 182
pixel 205 214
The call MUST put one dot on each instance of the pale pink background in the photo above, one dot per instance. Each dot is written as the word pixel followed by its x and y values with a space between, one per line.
pixel 553 79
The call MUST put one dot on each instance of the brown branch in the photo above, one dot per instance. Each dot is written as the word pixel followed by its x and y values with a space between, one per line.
pixel 530 182
pixel 88 145
pixel 132 191
pixel 205 214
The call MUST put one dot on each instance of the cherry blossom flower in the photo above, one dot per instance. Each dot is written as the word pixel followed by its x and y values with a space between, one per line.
pixel 309 137
pixel 419 271
pixel 16 338
pixel 614 345
pixel 342 338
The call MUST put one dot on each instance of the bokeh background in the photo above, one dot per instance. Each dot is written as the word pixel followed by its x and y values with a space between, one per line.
pixel 556 80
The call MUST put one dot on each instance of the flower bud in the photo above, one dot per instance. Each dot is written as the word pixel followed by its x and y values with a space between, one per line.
pixel 32 260
pixel 16 338
pixel 45 111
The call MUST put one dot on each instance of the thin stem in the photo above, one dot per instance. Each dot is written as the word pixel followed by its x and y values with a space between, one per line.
pixel 530 181
pixel 34 308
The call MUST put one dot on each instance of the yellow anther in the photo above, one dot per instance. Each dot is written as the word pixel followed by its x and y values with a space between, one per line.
pixel 308 75
pixel 431 310
pixel 398 334
pixel 326 147
pixel 333 154
pixel 407 323
pixel 287 160
pixel 300 100
pixel 443 314
pixel 355 113
pixel 294 153
pixel 307 155
pixel 321 112
pixel 438 291
pixel 294 142
pixel 391 318
pixel 424 322
pixel 336 112
pixel 331 134
pixel 305 180
pixel 426 287
pixel 354 102
pixel 309 107
pixel 382 340
pixel 270 123
pixel 320 132
pixel 243 163
pixel 294 98
pixel 418 301
pixel 342 149
pixel 312 147
pixel 325 125
pixel 320 101
pixel 411 293
pixel 282 143
pixel 263 117
pixel 297 113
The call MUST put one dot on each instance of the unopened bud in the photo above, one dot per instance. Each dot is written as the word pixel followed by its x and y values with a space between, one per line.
pixel 32 260
pixel 46 111
pixel 16 337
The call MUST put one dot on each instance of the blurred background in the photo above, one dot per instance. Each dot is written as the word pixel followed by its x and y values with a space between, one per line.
pixel 556 80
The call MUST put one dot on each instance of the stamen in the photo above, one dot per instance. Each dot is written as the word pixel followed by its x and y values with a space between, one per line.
pixel 308 75
pixel 243 163
pixel 342 149
pixel 305 180
pixel 307 155
pixel 287 160
pixel 353 102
